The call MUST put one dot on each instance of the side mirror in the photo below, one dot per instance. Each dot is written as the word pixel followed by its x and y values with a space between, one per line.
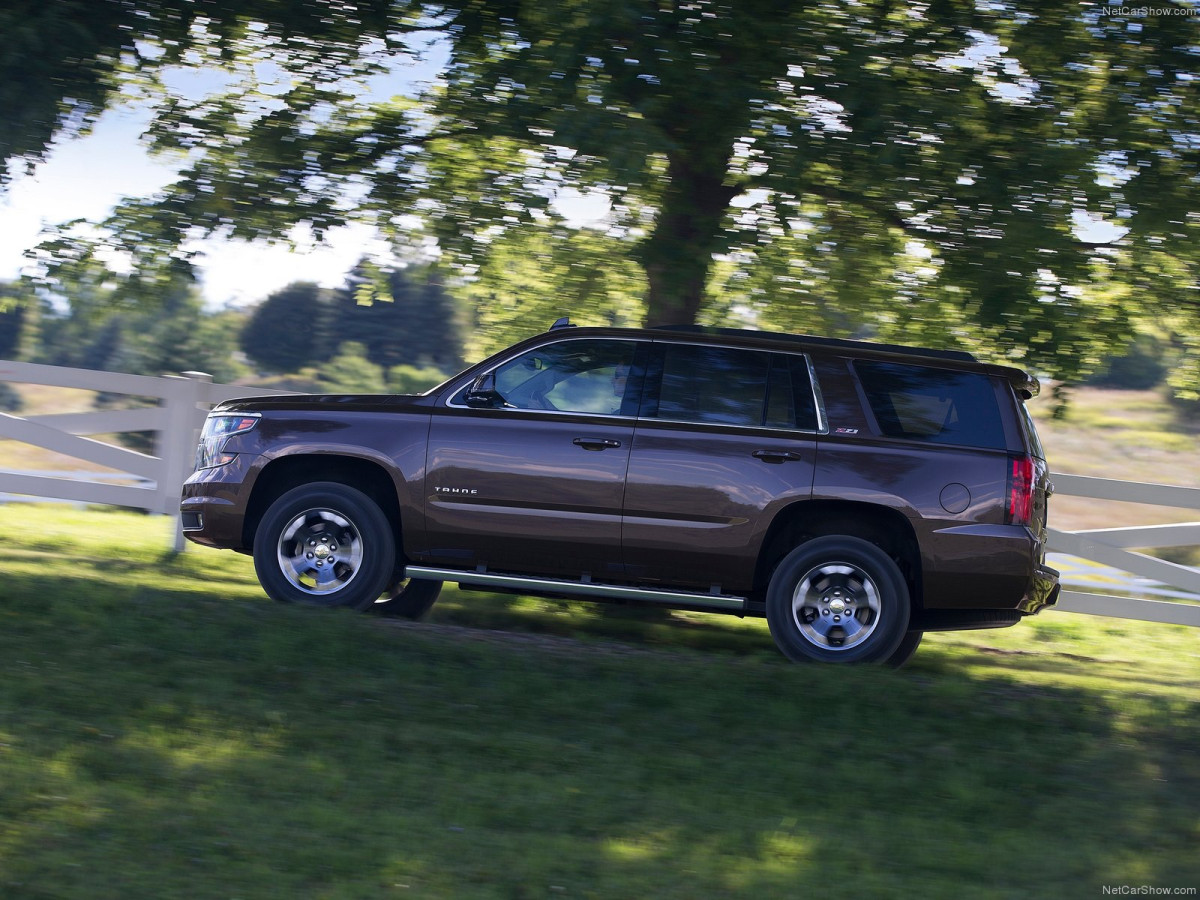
pixel 483 394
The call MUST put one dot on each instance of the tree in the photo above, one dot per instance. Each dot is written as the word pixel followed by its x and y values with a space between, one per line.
pixel 17 321
pixel 401 317
pixel 922 164
pixel 534 276
pixel 348 371
pixel 290 329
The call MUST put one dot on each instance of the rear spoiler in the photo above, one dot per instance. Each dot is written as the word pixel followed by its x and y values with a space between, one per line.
pixel 1027 386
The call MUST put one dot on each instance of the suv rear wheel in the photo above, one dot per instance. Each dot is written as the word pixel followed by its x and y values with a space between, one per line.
pixel 325 544
pixel 838 599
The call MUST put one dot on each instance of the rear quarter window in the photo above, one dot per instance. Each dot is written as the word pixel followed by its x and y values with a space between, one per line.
pixel 1031 432
pixel 936 406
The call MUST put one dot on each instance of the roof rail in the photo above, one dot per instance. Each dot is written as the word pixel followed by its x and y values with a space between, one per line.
pixel 821 341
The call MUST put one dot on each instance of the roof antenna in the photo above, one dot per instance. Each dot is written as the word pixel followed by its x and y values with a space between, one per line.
pixel 564 322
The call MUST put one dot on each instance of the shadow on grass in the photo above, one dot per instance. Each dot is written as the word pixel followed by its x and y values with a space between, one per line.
pixel 158 740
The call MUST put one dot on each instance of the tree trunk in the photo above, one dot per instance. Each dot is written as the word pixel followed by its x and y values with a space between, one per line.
pixel 678 253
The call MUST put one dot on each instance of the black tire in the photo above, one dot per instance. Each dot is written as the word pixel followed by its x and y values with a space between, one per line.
pixel 908 646
pixel 408 598
pixel 838 599
pixel 325 544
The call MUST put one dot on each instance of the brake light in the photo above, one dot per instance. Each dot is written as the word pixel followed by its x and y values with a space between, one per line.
pixel 1020 491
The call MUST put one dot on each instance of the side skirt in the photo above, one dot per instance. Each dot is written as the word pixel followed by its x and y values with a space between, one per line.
pixel 555 586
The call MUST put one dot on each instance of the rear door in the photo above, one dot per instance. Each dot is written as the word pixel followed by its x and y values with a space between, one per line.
pixel 726 438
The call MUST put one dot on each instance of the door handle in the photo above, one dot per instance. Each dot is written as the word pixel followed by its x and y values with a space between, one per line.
pixel 591 443
pixel 776 456
pixel 594 443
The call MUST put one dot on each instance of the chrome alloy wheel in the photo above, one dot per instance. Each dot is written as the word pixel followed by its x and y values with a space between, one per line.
pixel 320 551
pixel 836 606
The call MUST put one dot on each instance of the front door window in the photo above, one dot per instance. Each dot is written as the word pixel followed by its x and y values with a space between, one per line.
pixel 580 376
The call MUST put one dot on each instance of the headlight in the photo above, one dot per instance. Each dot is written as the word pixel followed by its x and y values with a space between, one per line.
pixel 217 429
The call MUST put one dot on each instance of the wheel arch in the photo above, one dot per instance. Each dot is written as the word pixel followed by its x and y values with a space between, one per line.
pixel 804 520
pixel 287 472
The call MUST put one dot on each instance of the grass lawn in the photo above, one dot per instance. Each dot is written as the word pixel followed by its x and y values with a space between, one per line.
pixel 166 731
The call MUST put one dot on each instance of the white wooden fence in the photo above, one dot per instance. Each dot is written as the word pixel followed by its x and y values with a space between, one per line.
pixel 1113 547
pixel 142 481
pixel 153 482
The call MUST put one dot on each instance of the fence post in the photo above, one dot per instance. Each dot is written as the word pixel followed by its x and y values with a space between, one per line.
pixel 177 443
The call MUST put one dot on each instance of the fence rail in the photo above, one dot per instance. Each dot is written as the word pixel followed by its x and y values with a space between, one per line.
pixel 1113 546
pixel 153 481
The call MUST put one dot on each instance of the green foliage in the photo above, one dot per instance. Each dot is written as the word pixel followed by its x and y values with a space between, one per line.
pixel 97 326
pixel 918 172
pixel 413 380
pixel 18 321
pixel 532 277
pixel 1186 403
pixel 289 329
pixel 64 61
pixel 349 371
pixel 1141 367
pixel 401 317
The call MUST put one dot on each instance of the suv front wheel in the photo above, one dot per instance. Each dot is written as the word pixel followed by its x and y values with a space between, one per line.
pixel 838 599
pixel 325 544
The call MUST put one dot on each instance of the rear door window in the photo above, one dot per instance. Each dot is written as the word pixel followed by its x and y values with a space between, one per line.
pixel 713 385
pixel 938 406
pixel 732 386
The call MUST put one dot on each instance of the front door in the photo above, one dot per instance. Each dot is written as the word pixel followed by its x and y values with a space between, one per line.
pixel 534 483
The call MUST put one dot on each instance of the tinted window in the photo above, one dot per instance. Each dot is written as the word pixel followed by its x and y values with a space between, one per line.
pixel 717 385
pixel 1035 442
pixel 728 386
pixel 570 376
pixel 940 406
pixel 802 391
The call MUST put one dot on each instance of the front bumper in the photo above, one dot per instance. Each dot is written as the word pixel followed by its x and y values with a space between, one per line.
pixel 214 502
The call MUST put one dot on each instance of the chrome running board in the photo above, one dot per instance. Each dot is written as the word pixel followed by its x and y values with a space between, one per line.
pixel 582 588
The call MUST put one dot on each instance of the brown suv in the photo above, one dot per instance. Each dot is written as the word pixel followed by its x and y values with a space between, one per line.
pixel 854 494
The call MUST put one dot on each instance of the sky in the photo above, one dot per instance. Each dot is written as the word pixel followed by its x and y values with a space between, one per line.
pixel 86 177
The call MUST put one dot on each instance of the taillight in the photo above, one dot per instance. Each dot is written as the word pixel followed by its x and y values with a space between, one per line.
pixel 1020 490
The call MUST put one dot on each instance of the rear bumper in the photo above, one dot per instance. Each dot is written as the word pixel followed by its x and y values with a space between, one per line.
pixel 986 567
pixel 1043 591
